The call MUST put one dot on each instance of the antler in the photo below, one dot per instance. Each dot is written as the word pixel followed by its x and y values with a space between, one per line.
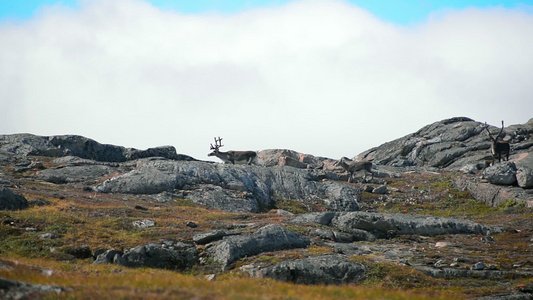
pixel 501 131
pixel 487 128
pixel 218 144
pixel 490 135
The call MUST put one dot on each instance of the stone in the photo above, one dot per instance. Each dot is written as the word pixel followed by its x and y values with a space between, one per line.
pixel 323 218
pixel 208 237
pixel 284 157
pixel 13 289
pixel 191 224
pixel 501 174
pixel 441 263
pixel 49 235
pixel 324 269
pixel 444 244
pixel 21 167
pixel 325 234
pixel 12 201
pixel 385 225
pixel 265 239
pixel 469 168
pixel 479 266
pixel 107 257
pixel 179 256
pixel 353 235
pixel 381 190
pixel 524 177
pixel 210 277
pixel 143 224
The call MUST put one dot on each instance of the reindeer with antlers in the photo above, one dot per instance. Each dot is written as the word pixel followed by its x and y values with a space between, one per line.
pixel 233 157
pixel 498 148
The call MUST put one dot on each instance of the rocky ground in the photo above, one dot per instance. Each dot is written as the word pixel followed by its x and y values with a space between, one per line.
pixel 79 219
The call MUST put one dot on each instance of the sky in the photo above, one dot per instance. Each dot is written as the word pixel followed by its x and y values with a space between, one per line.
pixel 330 78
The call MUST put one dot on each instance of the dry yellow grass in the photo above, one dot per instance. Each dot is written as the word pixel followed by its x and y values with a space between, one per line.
pixel 88 281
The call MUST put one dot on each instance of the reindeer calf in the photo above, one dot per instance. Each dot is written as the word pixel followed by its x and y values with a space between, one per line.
pixel 353 167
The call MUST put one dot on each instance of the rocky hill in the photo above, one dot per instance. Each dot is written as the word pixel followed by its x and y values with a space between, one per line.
pixel 435 220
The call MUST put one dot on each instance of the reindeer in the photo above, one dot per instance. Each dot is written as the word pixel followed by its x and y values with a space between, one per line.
pixel 498 148
pixel 355 166
pixel 240 157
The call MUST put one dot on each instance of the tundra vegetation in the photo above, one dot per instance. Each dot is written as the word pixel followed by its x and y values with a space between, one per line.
pixel 51 244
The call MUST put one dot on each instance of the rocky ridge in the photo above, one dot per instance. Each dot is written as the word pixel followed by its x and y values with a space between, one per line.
pixel 340 216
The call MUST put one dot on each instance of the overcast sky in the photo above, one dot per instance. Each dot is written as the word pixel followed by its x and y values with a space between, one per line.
pixel 329 78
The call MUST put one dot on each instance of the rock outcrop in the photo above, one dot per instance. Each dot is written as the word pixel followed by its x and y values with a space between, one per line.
pixel 323 269
pixel 265 239
pixel 232 187
pixel 11 201
pixel 387 225
pixel 13 289
pixel 285 157
pixel 451 144
pixel 168 255
pixel 75 145
pixel 493 195
pixel 174 256
pixel 501 174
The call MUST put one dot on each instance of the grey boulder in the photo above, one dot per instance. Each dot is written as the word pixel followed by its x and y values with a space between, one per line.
pixel 501 174
pixel 265 239
pixel 11 201
pixel 324 269
pixel 524 177
pixel 385 225
pixel 178 256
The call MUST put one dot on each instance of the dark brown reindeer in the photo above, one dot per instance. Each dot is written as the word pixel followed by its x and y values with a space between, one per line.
pixel 233 157
pixel 353 167
pixel 498 148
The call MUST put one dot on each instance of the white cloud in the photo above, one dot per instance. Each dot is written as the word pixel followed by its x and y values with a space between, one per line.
pixel 320 77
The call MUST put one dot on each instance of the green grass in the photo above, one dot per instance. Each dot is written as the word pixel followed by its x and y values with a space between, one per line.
pixel 293 206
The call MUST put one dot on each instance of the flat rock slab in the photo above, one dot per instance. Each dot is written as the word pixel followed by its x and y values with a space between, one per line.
pixel 209 236
pixel 72 174
pixel 449 273
pixel 265 239
pixel 387 225
pixel 491 194
pixel 324 269
pixel 401 224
